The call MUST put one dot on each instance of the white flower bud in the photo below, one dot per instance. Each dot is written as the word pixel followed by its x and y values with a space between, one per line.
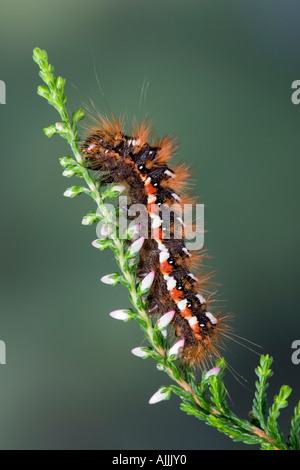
pixel 68 193
pixel 106 230
pixel 140 352
pixel 213 371
pixel 174 351
pixel 68 173
pixel 96 243
pixel 147 282
pixel 134 230
pixel 120 315
pixel 160 395
pixel 165 319
pixel 120 188
pixel 109 279
pixel 59 126
pixel 136 246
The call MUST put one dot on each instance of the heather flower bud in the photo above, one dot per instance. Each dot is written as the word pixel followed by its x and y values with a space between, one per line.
pixel 160 395
pixel 165 319
pixel 147 282
pixel 123 315
pixel 174 351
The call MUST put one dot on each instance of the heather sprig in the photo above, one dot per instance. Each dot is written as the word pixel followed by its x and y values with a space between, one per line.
pixel 204 399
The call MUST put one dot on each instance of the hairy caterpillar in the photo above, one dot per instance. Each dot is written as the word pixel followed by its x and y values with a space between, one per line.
pixel 143 166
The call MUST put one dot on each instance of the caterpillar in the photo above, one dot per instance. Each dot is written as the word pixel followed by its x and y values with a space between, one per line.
pixel 143 165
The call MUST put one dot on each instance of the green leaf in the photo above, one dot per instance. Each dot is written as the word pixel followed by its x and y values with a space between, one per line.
pixel 280 402
pixel 62 128
pixel 90 218
pixel 234 432
pixel 101 244
pixel 218 393
pixel 40 56
pixel 37 54
pixel 77 116
pixel 73 170
pixel 294 430
pixel 113 192
pixel 60 83
pixel 43 91
pixel 189 407
pixel 176 372
pixel 66 161
pixel 263 372
pixel 74 191
pixel 50 131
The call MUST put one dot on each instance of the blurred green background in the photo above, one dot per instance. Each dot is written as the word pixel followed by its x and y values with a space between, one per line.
pixel 220 76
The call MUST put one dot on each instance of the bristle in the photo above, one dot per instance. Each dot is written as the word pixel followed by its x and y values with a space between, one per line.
pixel 142 133
pixel 183 181
pixel 167 147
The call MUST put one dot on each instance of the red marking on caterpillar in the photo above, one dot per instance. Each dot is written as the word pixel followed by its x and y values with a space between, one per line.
pixel 133 159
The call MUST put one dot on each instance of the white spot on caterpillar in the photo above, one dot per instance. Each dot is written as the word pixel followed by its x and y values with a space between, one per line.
pixel 169 173
pixel 156 222
pixel 175 196
pixel 148 180
pixel 192 321
pixel 210 316
pixel 151 199
pixel 162 247
pixel 171 282
pixel 193 277
pixel 182 304
pixel 180 221
pixel 90 147
pixel 201 298
pixel 186 251
pixel 163 256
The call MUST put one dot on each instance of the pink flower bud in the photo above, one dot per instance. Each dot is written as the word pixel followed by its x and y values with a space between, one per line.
pixel 140 352
pixel 165 319
pixel 120 188
pixel 160 395
pixel 213 371
pixel 110 279
pixel 147 282
pixel 174 351
pixel 106 230
pixel 120 315
pixel 136 245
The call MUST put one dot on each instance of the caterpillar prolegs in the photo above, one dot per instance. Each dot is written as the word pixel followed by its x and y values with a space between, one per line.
pixel 144 167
